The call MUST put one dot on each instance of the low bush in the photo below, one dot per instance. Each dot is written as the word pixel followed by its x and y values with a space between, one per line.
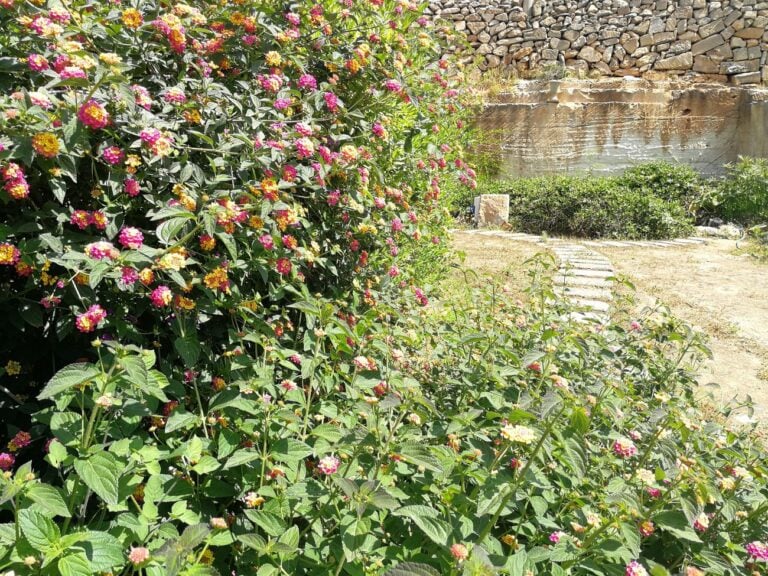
pixel 676 183
pixel 482 436
pixel 742 195
pixel 590 206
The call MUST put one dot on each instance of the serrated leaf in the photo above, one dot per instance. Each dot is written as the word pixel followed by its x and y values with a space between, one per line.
pixel 412 569
pixel 241 457
pixel 49 499
pixel 267 521
pixel 101 473
pixel 38 529
pixel 188 348
pixel 180 420
pixel 103 551
pixel 67 378
pixel 419 455
pixel 74 565
pixel 290 450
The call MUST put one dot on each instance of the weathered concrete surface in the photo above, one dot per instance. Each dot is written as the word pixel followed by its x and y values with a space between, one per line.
pixel 571 125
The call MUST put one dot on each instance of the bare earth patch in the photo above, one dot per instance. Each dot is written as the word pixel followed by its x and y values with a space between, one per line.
pixel 720 292
pixel 498 257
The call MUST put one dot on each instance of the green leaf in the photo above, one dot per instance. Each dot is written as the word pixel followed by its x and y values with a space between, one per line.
pixel 290 450
pixel 103 550
pixel 74 565
pixel 101 473
pixel 188 348
pixel 136 370
pixel 194 535
pixel 427 520
pixel 253 541
pixel 38 529
pixel 68 377
pixel 241 457
pixel 49 499
pixel 419 455
pixel 676 524
pixel 180 420
pixel 412 569
pixel 267 521
pixel 206 464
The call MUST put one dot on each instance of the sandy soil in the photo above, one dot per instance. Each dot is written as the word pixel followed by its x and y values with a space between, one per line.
pixel 714 288
pixel 720 292
pixel 498 257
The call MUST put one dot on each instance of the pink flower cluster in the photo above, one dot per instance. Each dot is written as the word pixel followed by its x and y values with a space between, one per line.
pixel 37 62
pixel 131 238
pixel 634 568
pixel 82 219
pixel 89 320
pixel 758 550
pixel 331 102
pixel 102 251
pixel 132 187
pixel 141 96
pixel 175 96
pixel 14 181
pixel 624 448
pixel 93 115
pixel 307 82
pixel 161 297
pixel 328 465
pixel 7 461
pixel 112 155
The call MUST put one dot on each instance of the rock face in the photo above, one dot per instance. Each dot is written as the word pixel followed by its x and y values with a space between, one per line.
pixel 726 40
pixel 491 210
pixel 560 126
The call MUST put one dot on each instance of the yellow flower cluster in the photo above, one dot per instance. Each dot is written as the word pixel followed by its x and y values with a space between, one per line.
pixel 45 144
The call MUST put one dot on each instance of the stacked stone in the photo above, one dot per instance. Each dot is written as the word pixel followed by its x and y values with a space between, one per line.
pixel 725 40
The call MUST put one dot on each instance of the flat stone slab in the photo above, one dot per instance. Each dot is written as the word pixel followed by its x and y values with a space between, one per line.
pixel 588 293
pixel 592 264
pixel 582 281
pixel 586 272
pixel 598 305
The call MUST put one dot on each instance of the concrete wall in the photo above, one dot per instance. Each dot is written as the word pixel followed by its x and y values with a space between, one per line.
pixel 570 126
pixel 722 41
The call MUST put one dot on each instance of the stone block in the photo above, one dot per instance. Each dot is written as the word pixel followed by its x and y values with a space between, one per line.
pixel 705 65
pixel 589 54
pixel 706 30
pixel 657 25
pixel 707 44
pixel 746 78
pixel 678 62
pixel 744 67
pixel 491 210
pixel 663 37
pixel 753 33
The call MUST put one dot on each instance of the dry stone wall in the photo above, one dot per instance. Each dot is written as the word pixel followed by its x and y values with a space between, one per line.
pixel 719 41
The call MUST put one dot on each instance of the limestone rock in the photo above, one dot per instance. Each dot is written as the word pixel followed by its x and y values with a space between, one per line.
pixel 492 210
pixel 590 54
pixel 679 62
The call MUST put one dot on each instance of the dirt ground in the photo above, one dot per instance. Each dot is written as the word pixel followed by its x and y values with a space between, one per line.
pixel 713 287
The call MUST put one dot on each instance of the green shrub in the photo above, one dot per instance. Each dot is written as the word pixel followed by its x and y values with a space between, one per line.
pixel 742 195
pixel 589 206
pixel 676 183
pixel 478 437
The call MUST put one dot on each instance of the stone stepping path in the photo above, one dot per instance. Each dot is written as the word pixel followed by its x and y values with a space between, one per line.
pixel 585 278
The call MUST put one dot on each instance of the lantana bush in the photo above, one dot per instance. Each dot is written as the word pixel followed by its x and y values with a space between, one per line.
pixel 221 354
